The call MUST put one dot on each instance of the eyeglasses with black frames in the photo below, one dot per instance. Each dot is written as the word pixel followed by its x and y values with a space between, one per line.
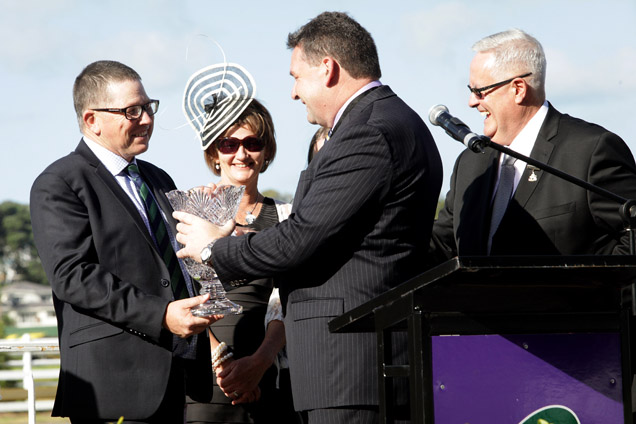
pixel 134 112
pixel 478 92
pixel 230 145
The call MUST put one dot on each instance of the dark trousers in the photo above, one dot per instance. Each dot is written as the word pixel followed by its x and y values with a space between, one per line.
pixel 362 414
pixel 172 407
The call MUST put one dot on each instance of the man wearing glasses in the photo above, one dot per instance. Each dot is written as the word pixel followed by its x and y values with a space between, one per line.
pixel 499 206
pixel 104 232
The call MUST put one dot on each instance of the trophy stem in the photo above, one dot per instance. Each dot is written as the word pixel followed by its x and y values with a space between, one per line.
pixel 218 303
pixel 217 208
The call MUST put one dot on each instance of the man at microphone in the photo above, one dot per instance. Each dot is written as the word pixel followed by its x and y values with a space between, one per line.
pixel 499 206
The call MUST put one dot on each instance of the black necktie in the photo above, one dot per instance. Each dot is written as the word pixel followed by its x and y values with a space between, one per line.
pixel 160 233
pixel 502 197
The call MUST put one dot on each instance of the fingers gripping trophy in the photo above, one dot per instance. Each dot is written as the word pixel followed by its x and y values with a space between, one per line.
pixel 218 207
pixel 214 98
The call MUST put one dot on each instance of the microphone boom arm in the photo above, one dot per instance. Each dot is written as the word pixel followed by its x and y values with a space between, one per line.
pixel 545 167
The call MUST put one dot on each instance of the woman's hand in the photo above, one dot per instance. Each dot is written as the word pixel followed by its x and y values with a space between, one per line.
pixel 241 376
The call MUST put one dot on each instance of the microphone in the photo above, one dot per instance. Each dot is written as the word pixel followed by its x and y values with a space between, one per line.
pixel 439 116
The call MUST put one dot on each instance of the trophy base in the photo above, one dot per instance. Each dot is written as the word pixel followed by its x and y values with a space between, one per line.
pixel 217 307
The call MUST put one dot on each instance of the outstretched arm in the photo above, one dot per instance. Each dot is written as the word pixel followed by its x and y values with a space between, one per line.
pixel 196 233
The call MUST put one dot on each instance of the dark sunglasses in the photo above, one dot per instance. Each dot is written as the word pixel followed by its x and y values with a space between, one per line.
pixel 229 145
pixel 479 92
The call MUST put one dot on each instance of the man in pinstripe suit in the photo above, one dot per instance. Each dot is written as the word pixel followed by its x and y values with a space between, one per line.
pixel 360 224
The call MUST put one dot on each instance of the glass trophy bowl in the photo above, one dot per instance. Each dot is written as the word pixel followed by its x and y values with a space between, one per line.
pixel 218 207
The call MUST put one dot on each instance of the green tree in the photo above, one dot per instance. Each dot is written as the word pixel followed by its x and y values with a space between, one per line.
pixel 4 357
pixel 18 256
pixel 285 197
pixel 440 205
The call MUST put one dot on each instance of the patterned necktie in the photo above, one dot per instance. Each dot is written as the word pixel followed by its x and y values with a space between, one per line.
pixel 502 197
pixel 160 233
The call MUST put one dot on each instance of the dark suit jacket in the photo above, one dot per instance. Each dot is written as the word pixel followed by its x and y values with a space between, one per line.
pixel 549 216
pixel 360 224
pixel 110 288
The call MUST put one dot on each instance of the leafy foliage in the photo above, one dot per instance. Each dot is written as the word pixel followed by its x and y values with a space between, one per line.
pixel 440 205
pixel 18 256
pixel 274 194
pixel 4 357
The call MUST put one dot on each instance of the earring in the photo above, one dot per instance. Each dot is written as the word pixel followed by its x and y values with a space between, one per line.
pixel 217 166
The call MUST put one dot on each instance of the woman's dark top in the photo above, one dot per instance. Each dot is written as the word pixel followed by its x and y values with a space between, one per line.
pixel 244 333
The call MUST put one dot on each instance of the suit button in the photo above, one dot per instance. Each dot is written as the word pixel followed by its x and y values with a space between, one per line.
pixel 165 283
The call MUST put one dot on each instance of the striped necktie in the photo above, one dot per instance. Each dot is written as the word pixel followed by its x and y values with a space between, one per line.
pixel 160 232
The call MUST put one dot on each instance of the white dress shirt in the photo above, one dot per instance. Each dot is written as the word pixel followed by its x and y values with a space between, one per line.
pixel 524 142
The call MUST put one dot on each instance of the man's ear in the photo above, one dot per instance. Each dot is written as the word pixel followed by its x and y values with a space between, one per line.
pixel 91 122
pixel 332 71
pixel 520 87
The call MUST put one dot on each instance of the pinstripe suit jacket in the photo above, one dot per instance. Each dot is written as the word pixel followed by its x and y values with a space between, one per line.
pixel 547 215
pixel 360 224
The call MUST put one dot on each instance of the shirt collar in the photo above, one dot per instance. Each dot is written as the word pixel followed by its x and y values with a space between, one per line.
pixel 356 94
pixel 524 141
pixel 112 161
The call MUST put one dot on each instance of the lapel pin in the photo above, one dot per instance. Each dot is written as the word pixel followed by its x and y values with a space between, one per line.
pixel 533 176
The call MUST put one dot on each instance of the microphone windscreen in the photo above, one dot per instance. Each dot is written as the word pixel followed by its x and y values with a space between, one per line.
pixel 434 113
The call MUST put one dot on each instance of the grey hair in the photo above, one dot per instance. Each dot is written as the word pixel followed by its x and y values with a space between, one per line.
pixel 515 52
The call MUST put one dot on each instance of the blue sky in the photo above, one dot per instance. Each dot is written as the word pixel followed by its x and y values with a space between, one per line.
pixel 424 49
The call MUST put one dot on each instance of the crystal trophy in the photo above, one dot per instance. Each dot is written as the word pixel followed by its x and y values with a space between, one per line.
pixel 218 207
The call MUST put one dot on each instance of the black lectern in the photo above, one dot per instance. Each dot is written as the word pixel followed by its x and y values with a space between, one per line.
pixel 507 339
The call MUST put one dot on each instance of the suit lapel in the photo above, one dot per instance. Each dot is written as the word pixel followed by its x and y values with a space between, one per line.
pixel 541 151
pixel 301 188
pixel 351 106
pixel 118 193
pixel 363 101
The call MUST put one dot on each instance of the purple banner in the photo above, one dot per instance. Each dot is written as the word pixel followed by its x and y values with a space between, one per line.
pixel 505 379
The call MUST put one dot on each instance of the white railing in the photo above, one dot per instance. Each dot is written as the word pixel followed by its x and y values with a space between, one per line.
pixel 26 347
